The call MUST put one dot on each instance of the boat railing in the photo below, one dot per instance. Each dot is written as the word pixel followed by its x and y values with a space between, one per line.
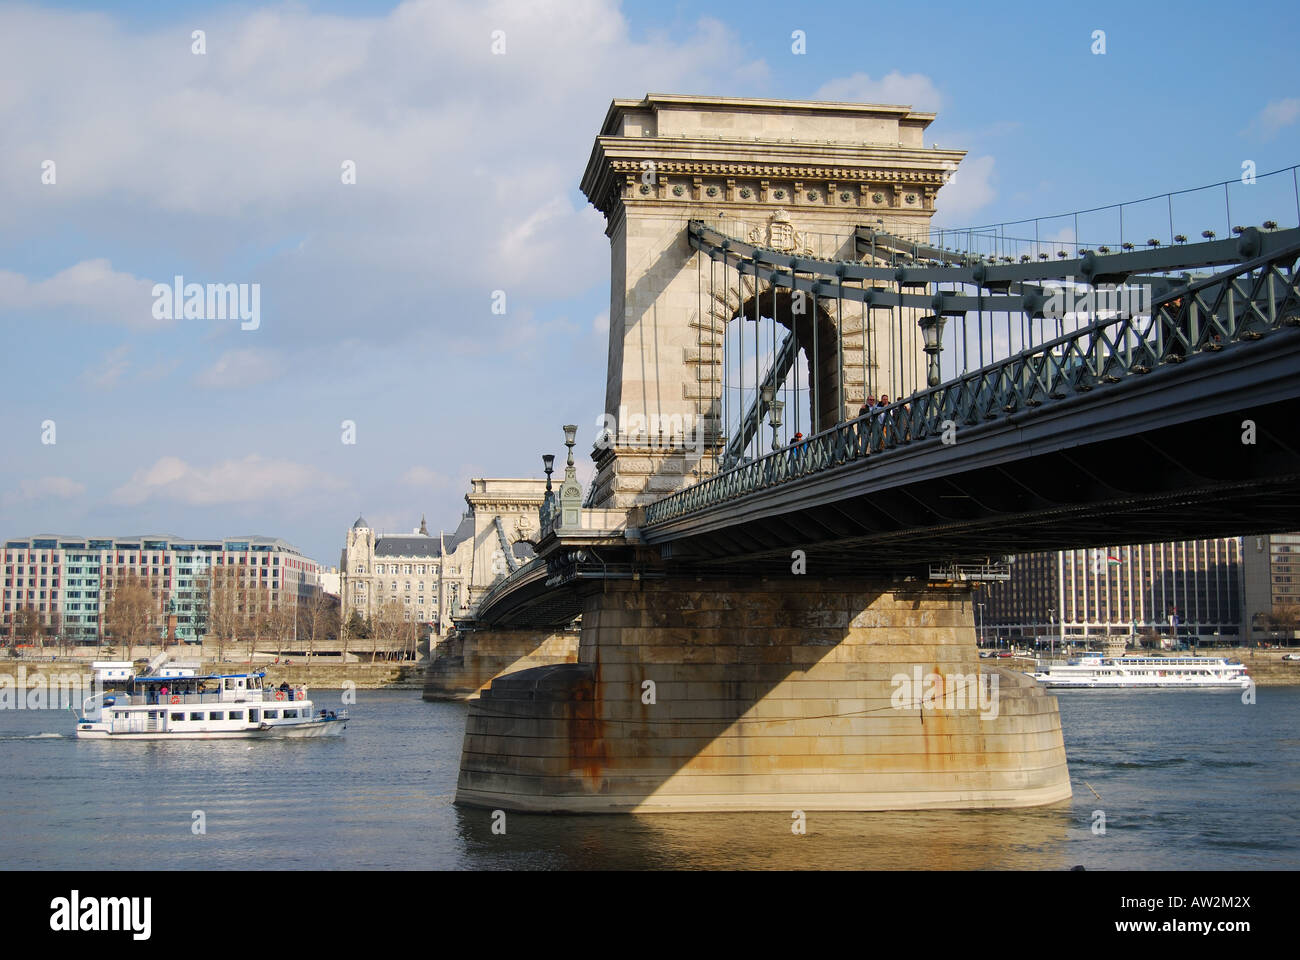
pixel 159 699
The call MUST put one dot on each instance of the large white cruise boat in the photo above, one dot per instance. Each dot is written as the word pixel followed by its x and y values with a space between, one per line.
pixel 213 707
pixel 1097 671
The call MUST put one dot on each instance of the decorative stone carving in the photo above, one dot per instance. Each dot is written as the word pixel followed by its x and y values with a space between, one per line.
pixel 781 235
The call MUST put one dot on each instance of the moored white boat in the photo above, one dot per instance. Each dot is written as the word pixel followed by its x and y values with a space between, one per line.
pixel 214 707
pixel 1093 672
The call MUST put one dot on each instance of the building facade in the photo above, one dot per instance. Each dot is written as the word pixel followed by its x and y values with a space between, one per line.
pixel 438 577
pixel 67 581
pixel 1271 578
pixel 1190 589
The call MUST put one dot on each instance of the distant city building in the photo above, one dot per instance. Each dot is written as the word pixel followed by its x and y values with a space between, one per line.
pixel 436 577
pixel 1190 589
pixel 67 581
pixel 330 581
pixel 1271 575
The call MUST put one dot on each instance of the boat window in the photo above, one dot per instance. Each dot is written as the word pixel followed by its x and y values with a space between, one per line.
pixel 289 714
pixel 178 716
pixel 217 715
pixel 252 716
pixel 196 716
pixel 118 714
pixel 272 714
pixel 230 684
pixel 236 714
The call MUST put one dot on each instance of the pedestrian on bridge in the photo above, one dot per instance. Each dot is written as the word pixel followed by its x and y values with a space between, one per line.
pixel 880 414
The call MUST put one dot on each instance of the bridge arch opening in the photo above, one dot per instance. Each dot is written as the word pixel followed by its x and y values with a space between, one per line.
pixel 823 358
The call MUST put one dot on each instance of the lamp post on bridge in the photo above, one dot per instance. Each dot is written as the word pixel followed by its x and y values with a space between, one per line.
pixel 932 331
pixel 548 501
pixel 570 489
pixel 775 409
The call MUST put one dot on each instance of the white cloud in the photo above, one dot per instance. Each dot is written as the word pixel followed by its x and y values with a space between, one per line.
pixel 240 368
pixel 108 372
pixel 425 477
pixel 968 190
pixel 92 289
pixel 465 161
pixel 1275 116
pixel 910 89
pixel 249 480
pixel 600 324
pixel 46 488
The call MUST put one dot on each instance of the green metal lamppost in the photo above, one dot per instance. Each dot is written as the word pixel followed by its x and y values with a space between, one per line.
pixel 775 409
pixel 932 332
pixel 548 501
pixel 570 489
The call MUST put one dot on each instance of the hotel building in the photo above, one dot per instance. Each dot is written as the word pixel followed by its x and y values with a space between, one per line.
pixel 437 577
pixel 67 581
pixel 1271 574
pixel 1192 588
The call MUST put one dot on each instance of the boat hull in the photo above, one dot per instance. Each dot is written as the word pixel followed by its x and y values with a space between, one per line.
pixel 1142 685
pixel 314 728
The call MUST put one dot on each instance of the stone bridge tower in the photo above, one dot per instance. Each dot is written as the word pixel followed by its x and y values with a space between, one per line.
pixel 794 175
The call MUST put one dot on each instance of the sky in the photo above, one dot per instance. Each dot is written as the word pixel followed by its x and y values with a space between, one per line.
pixel 127 158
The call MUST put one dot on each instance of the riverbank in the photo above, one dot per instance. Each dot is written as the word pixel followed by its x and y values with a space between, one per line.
pixel 382 675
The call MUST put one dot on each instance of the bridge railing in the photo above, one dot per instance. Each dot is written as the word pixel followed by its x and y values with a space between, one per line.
pixel 1241 303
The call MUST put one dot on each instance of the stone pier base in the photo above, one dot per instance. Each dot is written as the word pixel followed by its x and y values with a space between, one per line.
pixel 787 695
pixel 467 663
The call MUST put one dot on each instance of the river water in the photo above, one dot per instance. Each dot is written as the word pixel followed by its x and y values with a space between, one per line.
pixel 1187 780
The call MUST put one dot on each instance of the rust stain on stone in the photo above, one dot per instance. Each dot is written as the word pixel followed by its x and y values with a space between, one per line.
pixel 588 749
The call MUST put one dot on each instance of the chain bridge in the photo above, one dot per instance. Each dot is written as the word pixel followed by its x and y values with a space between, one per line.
pixel 826 419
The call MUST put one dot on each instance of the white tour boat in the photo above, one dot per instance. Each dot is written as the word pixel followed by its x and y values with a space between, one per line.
pixel 1097 671
pixel 214 707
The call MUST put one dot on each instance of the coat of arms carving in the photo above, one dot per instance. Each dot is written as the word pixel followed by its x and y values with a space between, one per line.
pixel 780 234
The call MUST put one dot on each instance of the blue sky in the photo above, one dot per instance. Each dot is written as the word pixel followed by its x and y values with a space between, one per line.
pixel 376 296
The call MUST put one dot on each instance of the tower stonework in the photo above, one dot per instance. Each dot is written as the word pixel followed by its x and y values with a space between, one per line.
pixel 798 176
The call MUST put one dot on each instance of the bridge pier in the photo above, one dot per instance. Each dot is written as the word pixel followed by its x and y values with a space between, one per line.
pixel 734 695
pixel 469 661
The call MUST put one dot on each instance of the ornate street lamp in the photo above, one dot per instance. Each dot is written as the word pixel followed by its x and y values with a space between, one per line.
pixel 570 490
pixel 570 438
pixel 932 330
pixel 548 502
pixel 774 411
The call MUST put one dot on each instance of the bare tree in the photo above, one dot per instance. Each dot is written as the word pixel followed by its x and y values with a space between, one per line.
pixel 279 619
pixel 225 607
pixel 387 625
pixel 317 618
pixel 27 625
pixel 131 614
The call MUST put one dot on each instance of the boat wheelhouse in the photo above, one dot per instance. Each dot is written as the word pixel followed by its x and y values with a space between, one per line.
pixel 212 707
